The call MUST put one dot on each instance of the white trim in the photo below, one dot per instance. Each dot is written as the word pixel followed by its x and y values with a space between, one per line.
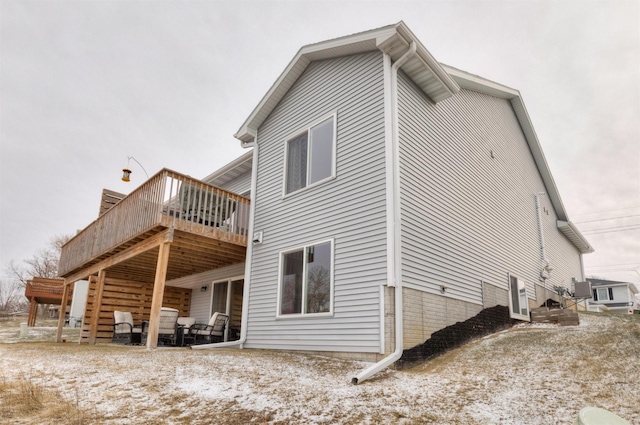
pixel 389 167
pixel 303 248
pixel 333 115
pixel 382 320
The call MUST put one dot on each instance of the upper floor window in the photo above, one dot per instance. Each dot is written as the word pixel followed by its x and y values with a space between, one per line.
pixel 310 156
pixel 306 280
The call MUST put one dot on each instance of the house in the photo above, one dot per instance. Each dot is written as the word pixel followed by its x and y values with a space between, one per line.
pixel 385 196
pixel 616 297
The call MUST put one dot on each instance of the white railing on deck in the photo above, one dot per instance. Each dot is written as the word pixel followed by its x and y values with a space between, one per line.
pixel 168 199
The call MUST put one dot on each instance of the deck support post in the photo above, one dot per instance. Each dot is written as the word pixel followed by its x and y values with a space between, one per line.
pixel 63 309
pixel 97 306
pixel 33 312
pixel 158 294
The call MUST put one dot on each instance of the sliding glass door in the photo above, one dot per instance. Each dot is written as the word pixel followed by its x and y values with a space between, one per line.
pixel 227 299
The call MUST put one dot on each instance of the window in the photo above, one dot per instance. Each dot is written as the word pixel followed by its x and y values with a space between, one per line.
pixel 306 280
pixel 603 294
pixel 310 156
pixel 518 299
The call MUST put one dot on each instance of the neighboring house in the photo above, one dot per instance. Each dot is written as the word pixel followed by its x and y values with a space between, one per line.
pixel 380 181
pixel 617 297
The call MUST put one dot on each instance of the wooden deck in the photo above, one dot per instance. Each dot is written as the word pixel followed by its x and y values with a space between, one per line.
pixel 44 291
pixel 169 227
pixel 206 225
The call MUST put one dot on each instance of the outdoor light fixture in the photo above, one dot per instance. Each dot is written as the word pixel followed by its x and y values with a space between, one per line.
pixel 126 172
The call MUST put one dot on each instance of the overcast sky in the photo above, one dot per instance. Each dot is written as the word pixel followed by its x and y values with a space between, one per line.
pixel 85 84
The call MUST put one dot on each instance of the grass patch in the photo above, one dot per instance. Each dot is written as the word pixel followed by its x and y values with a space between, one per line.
pixel 27 400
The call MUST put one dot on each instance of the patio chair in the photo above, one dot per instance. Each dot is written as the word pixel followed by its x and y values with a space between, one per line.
pixel 123 329
pixel 167 328
pixel 184 323
pixel 200 333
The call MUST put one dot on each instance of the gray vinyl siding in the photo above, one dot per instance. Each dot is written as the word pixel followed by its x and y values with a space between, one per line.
pixel 350 209
pixel 468 217
pixel 201 301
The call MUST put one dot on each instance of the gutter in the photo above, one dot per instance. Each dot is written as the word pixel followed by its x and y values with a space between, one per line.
pixel 247 267
pixel 397 283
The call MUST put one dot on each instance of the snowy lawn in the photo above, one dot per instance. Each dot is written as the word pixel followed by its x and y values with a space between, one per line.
pixel 527 375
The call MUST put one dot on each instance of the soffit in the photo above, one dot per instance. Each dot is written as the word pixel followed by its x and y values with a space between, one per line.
pixel 232 170
pixel 577 239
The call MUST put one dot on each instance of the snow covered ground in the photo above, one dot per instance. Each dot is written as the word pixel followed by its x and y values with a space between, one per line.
pixel 530 374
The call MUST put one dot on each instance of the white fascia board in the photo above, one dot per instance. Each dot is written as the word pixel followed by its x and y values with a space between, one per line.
pixel 247 132
pixel 479 84
pixel 569 229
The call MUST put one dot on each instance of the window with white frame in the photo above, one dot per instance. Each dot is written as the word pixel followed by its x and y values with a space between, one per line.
pixel 310 156
pixel 603 294
pixel 518 304
pixel 306 280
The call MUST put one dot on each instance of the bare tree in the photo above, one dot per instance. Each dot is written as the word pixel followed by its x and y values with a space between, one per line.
pixel 12 298
pixel 44 263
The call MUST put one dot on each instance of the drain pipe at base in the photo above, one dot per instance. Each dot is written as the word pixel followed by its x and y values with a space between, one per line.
pixel 395 356
pixel 247 269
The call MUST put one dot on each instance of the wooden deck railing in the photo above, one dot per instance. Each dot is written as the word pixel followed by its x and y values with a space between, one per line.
pixel 168 199
pixel 51 290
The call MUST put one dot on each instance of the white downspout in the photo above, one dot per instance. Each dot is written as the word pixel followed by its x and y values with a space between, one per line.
pixel 540 232
pixel 247 266
pixel 397 284
pixel 546 269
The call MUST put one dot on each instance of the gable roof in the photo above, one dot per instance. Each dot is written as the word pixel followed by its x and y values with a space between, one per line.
pixel 437 81
pixel 394 40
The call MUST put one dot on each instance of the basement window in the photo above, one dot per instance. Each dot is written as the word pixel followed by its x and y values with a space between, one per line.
pixel 518 304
